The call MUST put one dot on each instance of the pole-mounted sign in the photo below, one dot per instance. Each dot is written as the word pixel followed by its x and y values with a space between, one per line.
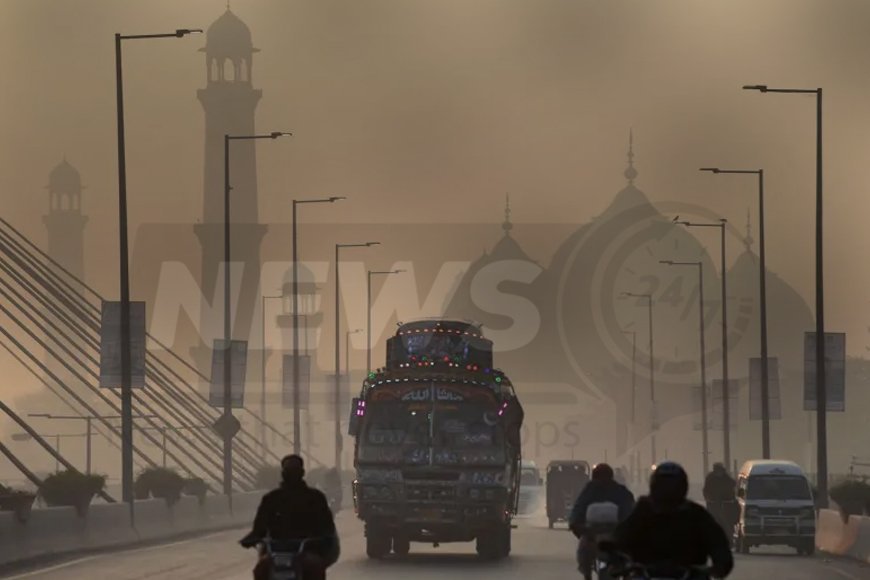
pixel 238 367
pixel 835 371
pixel 110 344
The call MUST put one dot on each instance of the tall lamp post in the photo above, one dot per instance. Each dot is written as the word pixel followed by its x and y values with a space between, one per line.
pixel 633 334
pixel 228 332
pixel 263 447
pixel 297 431
pixel 704 444
pixel 339 441
pixel 765 393
pixel 347 350
pixel 821 379
pixel 369 313
pixel 126 364
pixel 652 390
pixel 726 403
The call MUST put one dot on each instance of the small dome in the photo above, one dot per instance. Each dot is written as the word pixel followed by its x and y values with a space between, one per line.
pixel 228 36
pixel 65 178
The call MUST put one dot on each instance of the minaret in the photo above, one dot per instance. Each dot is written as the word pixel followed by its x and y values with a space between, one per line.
pixel 66 228
pixel 229 101
pixel 64 220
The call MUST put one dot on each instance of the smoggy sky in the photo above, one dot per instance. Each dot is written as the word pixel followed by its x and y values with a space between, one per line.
pixel 423 110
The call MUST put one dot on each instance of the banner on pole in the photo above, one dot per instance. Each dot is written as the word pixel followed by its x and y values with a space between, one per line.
pixel 835 371
pixel 774 403
pixel 238 370
pixel 110 345
pixel 304 381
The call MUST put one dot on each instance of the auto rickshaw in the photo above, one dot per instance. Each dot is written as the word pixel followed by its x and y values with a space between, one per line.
pixel 565 481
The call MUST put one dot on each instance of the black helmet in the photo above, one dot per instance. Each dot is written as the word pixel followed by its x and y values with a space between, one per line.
pixel 668 484
pixel 602 472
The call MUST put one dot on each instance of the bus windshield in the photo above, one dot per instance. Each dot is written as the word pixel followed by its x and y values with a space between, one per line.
pixel 781 487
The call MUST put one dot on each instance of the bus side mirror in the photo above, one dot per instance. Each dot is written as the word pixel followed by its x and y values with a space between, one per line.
pixel 355 413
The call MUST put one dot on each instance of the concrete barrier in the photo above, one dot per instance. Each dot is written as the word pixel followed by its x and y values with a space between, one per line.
pixel 54 531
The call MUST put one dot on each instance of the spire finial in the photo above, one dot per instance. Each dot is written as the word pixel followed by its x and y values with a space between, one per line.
pixel 630 172
pixel 507 226
pixel 747 241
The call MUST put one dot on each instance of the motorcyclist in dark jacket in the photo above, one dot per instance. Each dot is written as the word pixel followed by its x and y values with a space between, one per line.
pixel 295 511
pixel 719 489
pixel 666 529
pixel 602 488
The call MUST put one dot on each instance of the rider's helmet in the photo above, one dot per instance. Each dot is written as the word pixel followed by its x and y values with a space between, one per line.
pixel 292 469
pixel 602 472
pixel 668 485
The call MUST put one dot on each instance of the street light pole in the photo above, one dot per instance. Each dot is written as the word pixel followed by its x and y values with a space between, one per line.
pixel 704 443
pixel 762 277
pixel 726 402
pixel 347 350
pixel 369 313
pixel 339 441
pixel 124 270
pixel 263 447
pixel 228 390
pixel 297 431
pixel 633 334
pixel 652 390
pixel 821 379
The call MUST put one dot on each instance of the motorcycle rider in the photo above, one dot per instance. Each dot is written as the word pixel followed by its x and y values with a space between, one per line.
pixel 295 511
pixel 603 488
pixel 332 488
pixel 666 528
pixel 719 489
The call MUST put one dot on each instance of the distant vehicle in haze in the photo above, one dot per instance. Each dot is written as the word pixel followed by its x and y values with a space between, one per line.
pixel 776 507
pixel 565 481
pixel 531 488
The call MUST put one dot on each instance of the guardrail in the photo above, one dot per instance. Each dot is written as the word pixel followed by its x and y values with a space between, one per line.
pixel 55 531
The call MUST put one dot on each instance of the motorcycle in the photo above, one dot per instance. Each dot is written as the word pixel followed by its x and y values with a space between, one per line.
pixel 620 565
pixel 282 555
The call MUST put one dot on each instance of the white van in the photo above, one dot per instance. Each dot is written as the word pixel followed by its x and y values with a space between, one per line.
pixel 776 507
pixel 531 488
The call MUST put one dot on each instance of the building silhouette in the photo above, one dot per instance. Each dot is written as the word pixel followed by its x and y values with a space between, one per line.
pixel 229 101
pixel 64 221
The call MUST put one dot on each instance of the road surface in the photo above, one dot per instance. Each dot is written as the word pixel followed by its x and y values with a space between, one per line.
pixel 539 554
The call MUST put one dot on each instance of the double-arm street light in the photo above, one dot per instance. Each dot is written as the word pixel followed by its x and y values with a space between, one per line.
pixel 126 363
pixel 726 403
pixel 88 434
pixel 765 393
pixel 297 431
pixel 704 444
pixel 88 431
pixel 369 313
pixel 228 325
pixel 821 379
pixel 58 437
pixel 652 390
pixel 339 441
